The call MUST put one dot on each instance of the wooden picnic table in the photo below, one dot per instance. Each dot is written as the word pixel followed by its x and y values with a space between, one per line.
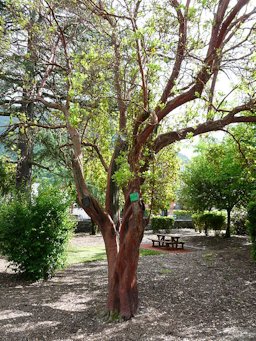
pixel 167 240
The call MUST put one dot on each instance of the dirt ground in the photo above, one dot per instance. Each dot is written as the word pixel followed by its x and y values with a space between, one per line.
pixel 206 294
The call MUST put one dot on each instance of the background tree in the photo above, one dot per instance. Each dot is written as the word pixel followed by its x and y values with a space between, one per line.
pixel 21 64
pixel 217 178
pixel 129 68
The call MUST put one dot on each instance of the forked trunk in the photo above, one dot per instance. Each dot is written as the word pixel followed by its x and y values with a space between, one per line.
pixel 122 247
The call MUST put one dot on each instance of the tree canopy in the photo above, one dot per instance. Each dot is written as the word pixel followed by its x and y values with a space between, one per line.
pixel 217 178
pixel 122 80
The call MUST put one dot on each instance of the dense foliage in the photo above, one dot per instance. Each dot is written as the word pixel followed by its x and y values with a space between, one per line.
pixel 182 214
pixel 216 178
pixel 7 176
pixel 208 221
pixel 162 223
pixel 161 180
pixel 120 81
pixel 33 235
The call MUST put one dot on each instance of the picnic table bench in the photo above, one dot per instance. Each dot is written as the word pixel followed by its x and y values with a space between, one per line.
pixel 169 241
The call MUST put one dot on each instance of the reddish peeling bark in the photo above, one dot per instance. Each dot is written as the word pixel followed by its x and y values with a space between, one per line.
pixel 122 253
pixel 123 290
pixel 122 242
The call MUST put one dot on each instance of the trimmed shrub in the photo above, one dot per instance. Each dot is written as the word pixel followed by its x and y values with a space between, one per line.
pixel 208 221
pixel 251 226
pixel 182 214
pixel 33 235
pixel 162 223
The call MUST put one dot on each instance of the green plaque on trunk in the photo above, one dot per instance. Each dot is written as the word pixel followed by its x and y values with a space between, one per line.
pixel 134 196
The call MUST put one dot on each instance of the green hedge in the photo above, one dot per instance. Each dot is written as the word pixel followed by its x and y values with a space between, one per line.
pixel 182 214
pixel 251 225
pixel 208 221
pixel 162 223
pixel 33 235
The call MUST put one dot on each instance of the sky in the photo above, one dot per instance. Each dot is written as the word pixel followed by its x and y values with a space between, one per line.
pixel 187 147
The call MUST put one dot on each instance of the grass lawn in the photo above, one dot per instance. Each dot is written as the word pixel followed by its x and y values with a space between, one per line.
pixel 95 253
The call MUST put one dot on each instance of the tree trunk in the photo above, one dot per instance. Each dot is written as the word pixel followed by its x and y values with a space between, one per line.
pixel 25 146
pixel 25 142
pixel 122 247
pixel 24 165
pixel 94 228
pixel 123 291
pixel 227 235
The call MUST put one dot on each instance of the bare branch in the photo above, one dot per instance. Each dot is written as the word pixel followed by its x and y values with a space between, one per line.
pixel 117 72
pixel 41 166
pixel 96 148
pixel 166 139
pixel 238 144
pixel 180 50
pixel 211 61
pixel 241 42
pixel 212 89
pixel 225 25
pixel 140 63
pixel 9 130
pixel 51 105
pixel 50 67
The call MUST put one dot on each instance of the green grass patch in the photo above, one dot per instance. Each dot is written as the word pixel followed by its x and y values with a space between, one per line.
pixel 85 254
pixel 165 271
pixel 146 252
pixel 209 257
pixel 95 253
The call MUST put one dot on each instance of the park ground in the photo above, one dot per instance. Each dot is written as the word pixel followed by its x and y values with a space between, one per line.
pixel 206 294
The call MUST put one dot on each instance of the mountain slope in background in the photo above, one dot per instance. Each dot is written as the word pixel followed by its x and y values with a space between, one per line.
pixel 4 121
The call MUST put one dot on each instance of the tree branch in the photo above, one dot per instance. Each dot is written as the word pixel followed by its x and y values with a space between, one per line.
pixel 238 144
pixel 96 148
pixel 51 105
pixel 41 166
pixel 166 139
pixel 212 58
pixel 180 49
pixel 140 63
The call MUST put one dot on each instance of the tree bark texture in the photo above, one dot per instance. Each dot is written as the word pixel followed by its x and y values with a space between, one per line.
pixel 123 290
pixel 24 165
pixel 227 234
pixel 25 146
pixel 25 139
pixel 122 248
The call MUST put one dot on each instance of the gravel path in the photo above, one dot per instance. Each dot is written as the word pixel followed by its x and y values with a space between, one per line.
pixel 204 295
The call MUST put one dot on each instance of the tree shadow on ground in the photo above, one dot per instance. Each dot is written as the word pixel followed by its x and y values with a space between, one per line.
pixel 40 310
pixel 194 296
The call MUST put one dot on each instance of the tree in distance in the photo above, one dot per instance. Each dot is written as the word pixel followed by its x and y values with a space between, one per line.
pixel 216 178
